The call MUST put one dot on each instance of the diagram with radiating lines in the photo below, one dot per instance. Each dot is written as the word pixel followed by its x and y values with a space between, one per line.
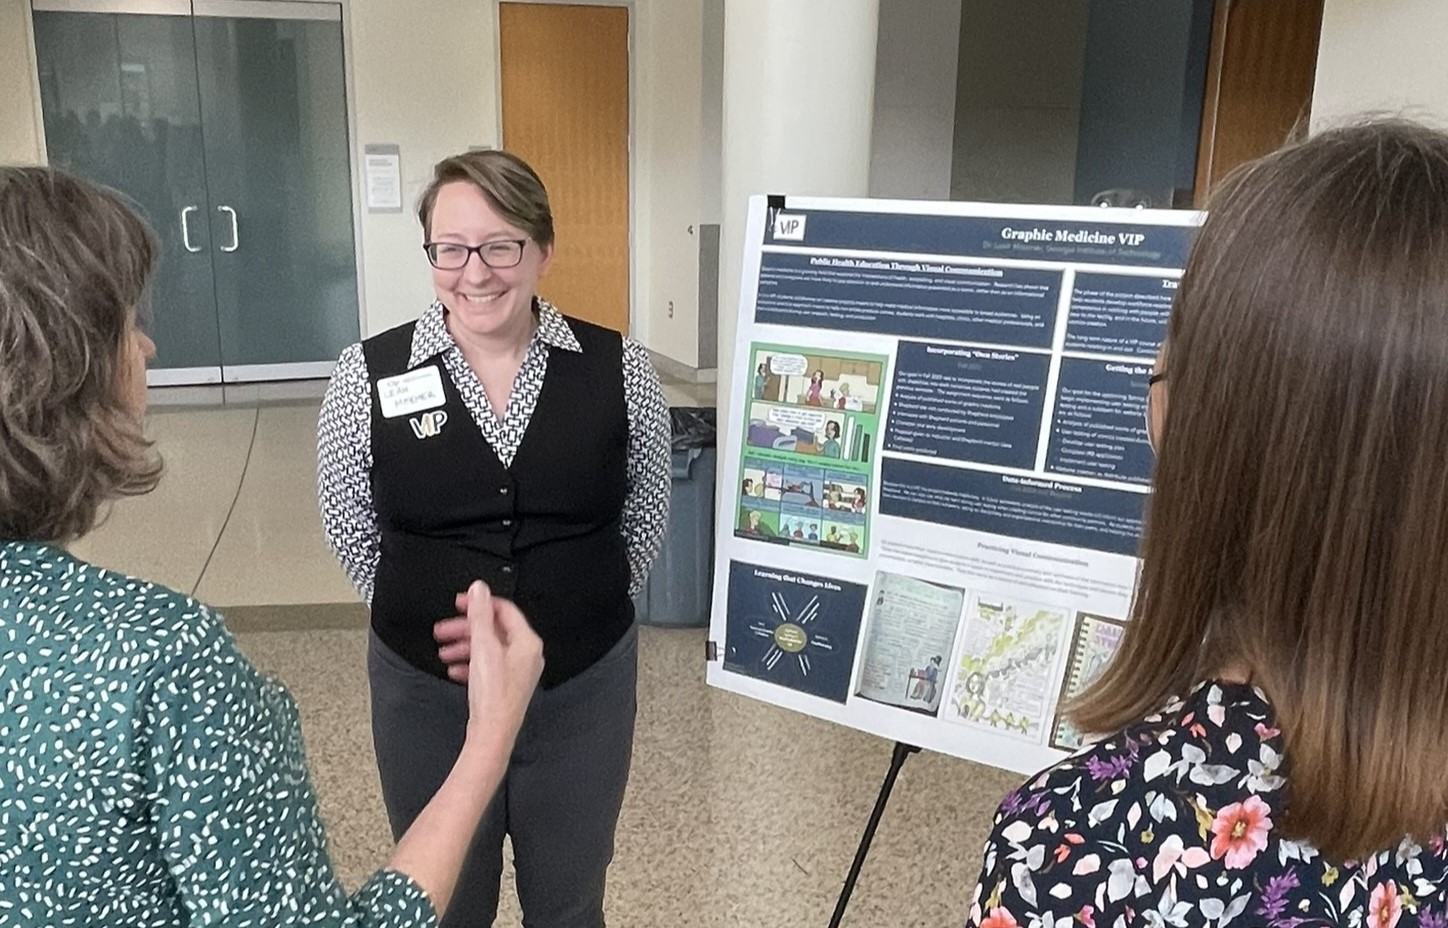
pixel 795 630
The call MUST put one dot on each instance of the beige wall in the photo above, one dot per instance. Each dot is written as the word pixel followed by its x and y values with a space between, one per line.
pixel 1377 56
pixel 711 114
pixel 19 109
pixel 402 55
pixel 668 45
pixel 402 52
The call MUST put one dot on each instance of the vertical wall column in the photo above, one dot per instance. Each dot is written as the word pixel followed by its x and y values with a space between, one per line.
pixel 799 86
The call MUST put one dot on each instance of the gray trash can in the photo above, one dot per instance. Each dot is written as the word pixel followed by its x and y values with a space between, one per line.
pixel 680 586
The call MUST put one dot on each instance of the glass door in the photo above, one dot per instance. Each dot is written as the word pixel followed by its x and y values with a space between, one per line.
pixel 225 123
pixel 121 108
pixel 274 117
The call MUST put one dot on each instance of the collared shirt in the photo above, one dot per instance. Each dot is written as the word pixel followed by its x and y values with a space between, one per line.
pixel 344 439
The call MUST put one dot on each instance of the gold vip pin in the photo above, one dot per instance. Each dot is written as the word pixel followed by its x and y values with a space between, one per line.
pixel 428 424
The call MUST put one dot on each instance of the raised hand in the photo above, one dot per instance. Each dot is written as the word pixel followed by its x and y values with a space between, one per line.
pixel 504 661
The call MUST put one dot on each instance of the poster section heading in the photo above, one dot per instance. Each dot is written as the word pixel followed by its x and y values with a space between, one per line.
pixel 1098 427
pixel 1118 314
pixel 1033 508
pixel 1009 306
pixel 967 404
pixel 1140 245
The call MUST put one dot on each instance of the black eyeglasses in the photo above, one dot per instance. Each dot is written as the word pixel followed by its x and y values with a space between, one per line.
pixel 450 256
pixel 1152 381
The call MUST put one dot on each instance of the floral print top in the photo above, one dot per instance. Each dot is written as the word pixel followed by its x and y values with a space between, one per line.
pixel 150 777
pixel 1171 822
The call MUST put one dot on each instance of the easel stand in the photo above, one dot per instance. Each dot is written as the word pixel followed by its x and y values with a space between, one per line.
pixel 897 760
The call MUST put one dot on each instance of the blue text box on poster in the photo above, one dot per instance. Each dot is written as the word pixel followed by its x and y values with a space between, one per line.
pixel 1098 428
pixel 967 404
pixel 998 306
pixel 1119 314
pixel 793 629
pixel 1034 508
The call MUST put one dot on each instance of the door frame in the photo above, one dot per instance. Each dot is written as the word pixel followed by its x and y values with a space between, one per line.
pixel 354 163
pixel 635 275
pixel 254 372
pixel 37 110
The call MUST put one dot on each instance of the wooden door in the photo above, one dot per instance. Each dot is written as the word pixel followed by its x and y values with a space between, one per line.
pixel 1259 82
pixel 566 112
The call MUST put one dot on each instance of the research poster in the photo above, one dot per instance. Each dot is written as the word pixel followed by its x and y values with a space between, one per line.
pixel 935 463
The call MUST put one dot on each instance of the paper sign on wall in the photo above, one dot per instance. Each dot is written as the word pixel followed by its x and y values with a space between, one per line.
pixel 382 170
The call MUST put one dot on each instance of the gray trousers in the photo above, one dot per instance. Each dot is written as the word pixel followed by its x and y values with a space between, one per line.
pixel 559 801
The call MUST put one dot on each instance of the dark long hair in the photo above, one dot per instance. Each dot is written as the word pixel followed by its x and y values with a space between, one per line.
pixel 1299 524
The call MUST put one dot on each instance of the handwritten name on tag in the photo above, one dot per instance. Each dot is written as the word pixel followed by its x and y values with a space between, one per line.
pixel 412 392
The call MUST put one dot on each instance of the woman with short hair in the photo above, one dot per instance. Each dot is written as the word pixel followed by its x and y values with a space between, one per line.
pixel 495 437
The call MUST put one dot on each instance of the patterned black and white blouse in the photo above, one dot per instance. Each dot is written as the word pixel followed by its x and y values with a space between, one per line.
pixel 1174 821
pixel 344 439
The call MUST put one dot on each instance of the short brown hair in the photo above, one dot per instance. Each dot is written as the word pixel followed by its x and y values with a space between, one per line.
pixel 74 264
pixel 1299 524
pixel 513 189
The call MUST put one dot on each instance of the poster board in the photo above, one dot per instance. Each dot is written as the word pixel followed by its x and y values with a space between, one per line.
pixel 935 463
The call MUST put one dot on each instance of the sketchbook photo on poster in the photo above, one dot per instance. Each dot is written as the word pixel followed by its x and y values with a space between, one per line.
pixel 909 638
pixel 1094 645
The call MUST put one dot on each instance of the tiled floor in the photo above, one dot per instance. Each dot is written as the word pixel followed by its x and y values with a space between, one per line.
pixel 738 813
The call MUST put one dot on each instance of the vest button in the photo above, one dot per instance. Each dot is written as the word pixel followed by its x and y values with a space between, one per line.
pixel 507 568
pixel 503 491
pixel 507 522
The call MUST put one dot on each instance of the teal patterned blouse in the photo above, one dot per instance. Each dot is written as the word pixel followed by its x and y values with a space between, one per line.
pixel 149 775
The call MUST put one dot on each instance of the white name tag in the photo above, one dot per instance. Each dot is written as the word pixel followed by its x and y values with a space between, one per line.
pixel 412 392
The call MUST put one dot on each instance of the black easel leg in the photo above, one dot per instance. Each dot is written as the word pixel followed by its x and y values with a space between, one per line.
pixel 897 760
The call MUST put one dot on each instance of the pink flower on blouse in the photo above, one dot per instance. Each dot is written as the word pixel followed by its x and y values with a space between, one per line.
pixel 1174 855
pixel 1385 907
pixel 1000 918
pixel 1240 831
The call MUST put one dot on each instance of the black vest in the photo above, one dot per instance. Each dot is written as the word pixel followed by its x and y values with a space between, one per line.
pixel 545 532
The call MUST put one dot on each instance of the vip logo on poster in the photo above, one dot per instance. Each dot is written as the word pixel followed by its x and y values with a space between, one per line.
pixel 789 227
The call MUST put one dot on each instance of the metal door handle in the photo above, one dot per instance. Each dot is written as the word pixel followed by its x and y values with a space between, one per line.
pixel 235 241
pixel 186 230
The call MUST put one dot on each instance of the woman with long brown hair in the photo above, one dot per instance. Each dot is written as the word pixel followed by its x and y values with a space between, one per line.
pixel 1278 711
